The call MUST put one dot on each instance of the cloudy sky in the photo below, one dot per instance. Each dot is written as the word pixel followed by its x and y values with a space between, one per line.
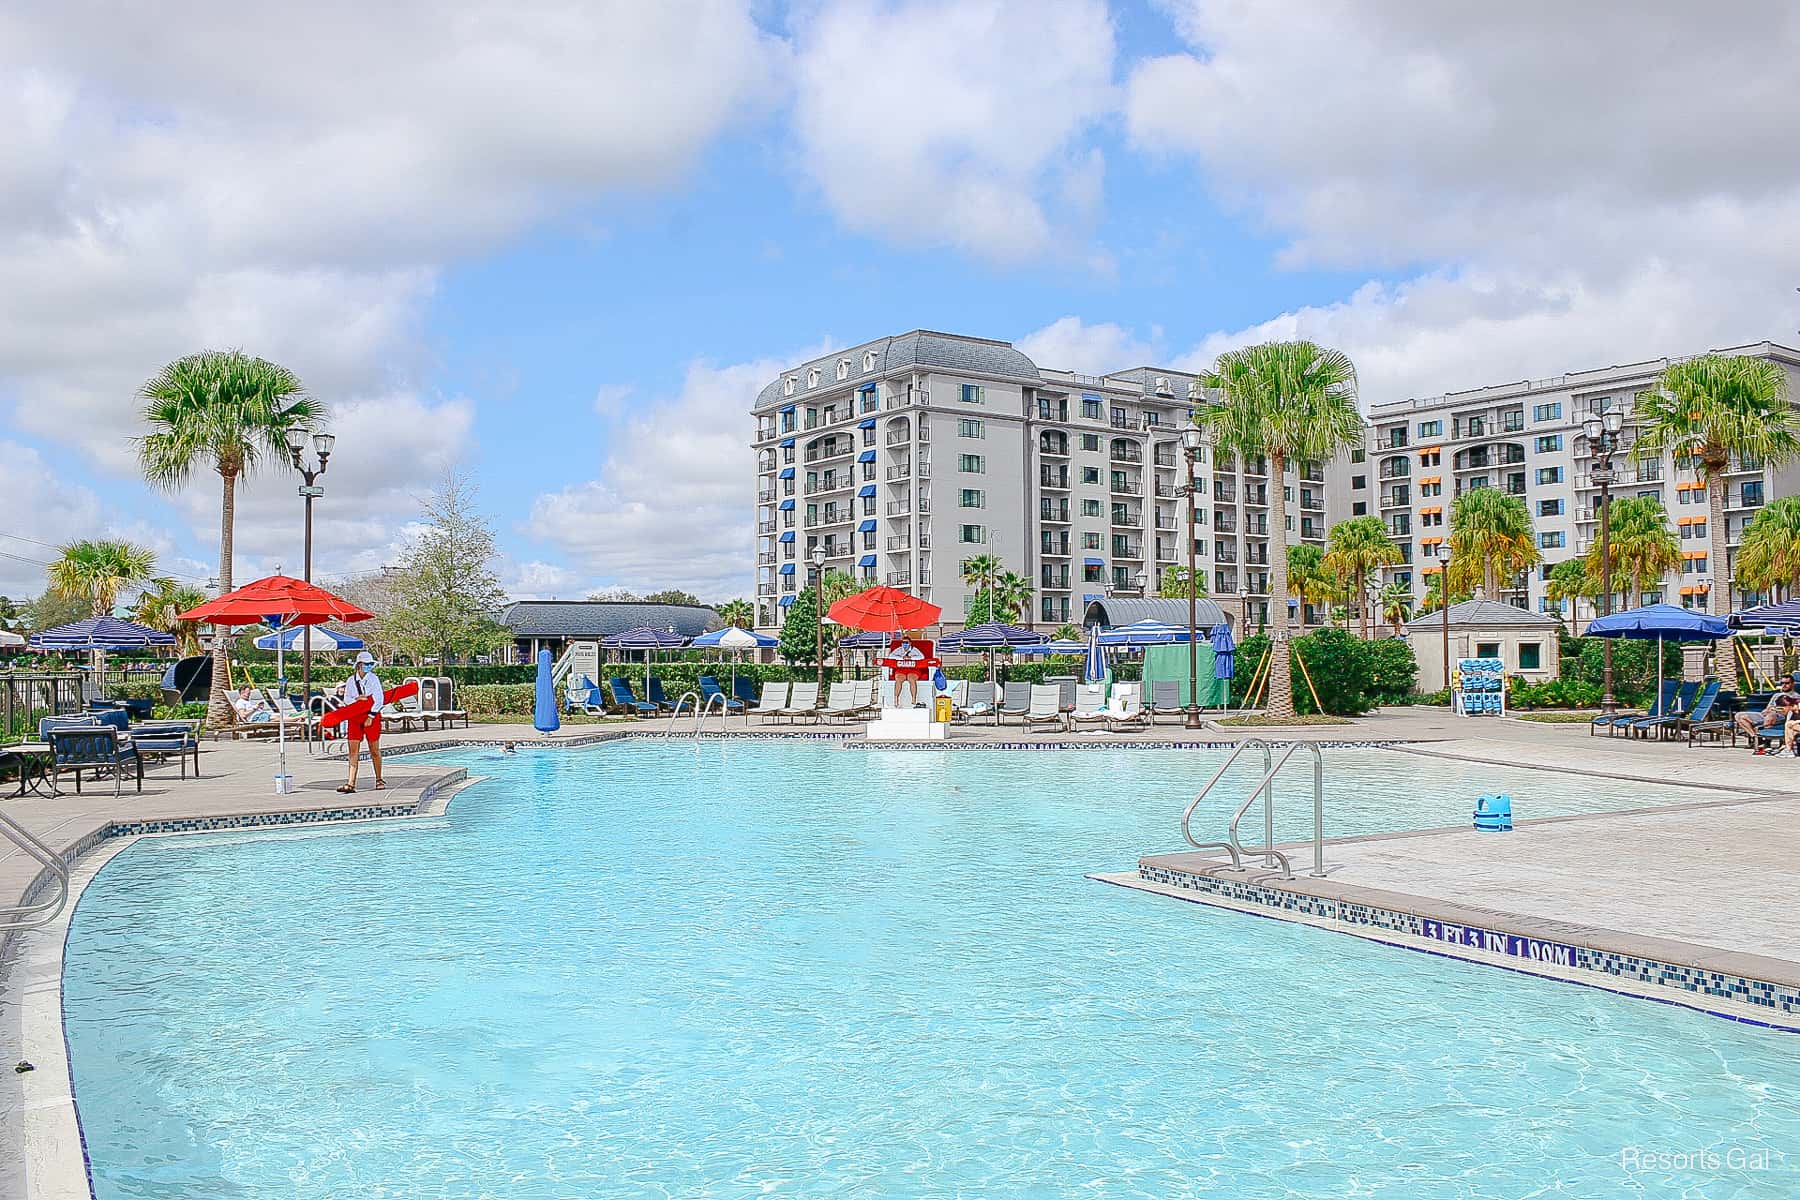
pixel 562 244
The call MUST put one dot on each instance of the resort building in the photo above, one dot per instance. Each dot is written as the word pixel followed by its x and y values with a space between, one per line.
pixel 905 456
pixel 1526 438
pixel 552 624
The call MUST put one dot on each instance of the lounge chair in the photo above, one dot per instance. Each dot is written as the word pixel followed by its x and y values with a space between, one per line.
pixel 1125 712
pixel 1046 708
pixel 92 748
pixel 978 702
pixel 959 694
pixel 446 711
pixel 653 692
pixel 865 696
pixel 1700 710
pixel 1685 694
pixel 583 696
pixel 774 699
pixel 1066 694
pixel 1165 697
pixel 1015 701
pixel 840 702
pixel 1090 706
pixel 804 702
pixel 1664 702
pixel 709 687
pixel 624 699
pixel 743 690
pixel 161 739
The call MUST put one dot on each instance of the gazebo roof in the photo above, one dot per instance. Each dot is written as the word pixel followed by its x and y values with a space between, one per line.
pixel 1484 614
pixel 1113 610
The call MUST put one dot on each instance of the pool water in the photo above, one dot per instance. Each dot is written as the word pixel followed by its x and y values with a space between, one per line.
pixel 797 970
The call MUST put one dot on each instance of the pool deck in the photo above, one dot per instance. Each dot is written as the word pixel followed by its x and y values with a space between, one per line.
pixel 1704 887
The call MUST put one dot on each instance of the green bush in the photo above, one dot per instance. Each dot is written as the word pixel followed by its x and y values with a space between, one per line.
pixel 1396 671
pixel 498 699
pixel 1555 693
pixel 1634 666
pixel 193 711
pixel 1342 666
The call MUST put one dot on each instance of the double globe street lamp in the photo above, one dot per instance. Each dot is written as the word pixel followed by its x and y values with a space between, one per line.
pixel 1602 434
pixel 322 446
pixel 818 565
pixel 1192 438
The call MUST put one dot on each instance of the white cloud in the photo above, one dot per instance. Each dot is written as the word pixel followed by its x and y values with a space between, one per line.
pixel 537 580
pixel 40 506
pixel 1568 211
pixel 1071 344
pixel 957 122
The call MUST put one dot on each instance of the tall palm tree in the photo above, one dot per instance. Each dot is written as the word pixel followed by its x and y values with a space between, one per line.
pixel 1309 579
pixel 1643 544
pixel 978 572
pixel 738 613
pixel 160 609
pixel 1174 583
pixel 1396 605
pixel 1714 407
pixel 1356 548
pixel 1285 401
pixel 1769 554
pixel 222 411
pixel 1569 582
pixel 98 570
pixel 1010 597
pixel 1490 539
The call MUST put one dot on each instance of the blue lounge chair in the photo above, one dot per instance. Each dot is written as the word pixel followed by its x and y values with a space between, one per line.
pixel 623 698
pixel 709 687
pixel 161 739
pixel 584 696
pixel 92 748
pixel 1661 708
pixel 1682 702
pixel 654 694
pixel 1700 710
pixel 743 690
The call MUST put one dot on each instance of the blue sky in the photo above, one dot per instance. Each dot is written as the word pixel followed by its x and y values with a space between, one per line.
pixel 559 250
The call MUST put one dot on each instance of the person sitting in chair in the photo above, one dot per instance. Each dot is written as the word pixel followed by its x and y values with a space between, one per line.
pixel 249 707
pixel 909 669
pixel 1777 710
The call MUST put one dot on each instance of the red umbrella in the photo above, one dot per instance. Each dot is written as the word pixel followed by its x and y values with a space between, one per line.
pixel 884 610
pixel 292 601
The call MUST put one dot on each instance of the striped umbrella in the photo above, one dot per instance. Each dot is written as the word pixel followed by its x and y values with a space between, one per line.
pixel 1093 670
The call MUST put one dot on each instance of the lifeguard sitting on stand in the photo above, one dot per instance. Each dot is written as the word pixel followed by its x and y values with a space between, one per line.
pixel 908 662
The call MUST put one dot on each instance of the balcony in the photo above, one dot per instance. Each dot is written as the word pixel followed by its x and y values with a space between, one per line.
pixel 1225 523
pixel 1119 422
pixel 1054 477
pixel 832 481
pixel 1133 550
pixel 1127 517
pixel 1257 525
pixel 924 468
pixel 1055 513
pixel 1055 547
pixel 1312 530
pixel 1257 555
pixel 1225 552
pixel 836 516
pixel 765 560
pixel 1257 495
pixel 1399 527
pixel 1054 579
pixel 1398 497
pixel 827 453
pixel 765 527
pixel 766 588
pixel 1127 453
pixel 1127 487
pixel 1311 504
pixel 1055 445
pixel 1163 522
pixel 899 508
pixel 1256 466
pixel 1224 492
pixel 899 579
pixel 1165 490
pixel 900 471
pixel 1164 457
pixel 765 496
pixel 898 439
pixel 899 542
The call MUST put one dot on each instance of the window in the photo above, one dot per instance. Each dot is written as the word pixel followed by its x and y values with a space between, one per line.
pixel 974 534
pixel 1043 408
pixel 1550 541
pixel 1753 493
pixel 812 378
pixel 1479 482
pixel 970 428
pixel 1090 508
pixel 1118 415
pixel 1090 474
pixel 973 498
pixel 972 394
pixel 1487 649
pixel 1090 441
pixel 868 504
pixel 1091 409
pixel 1550 508
pixel 1359 509
pixel 973 464
pixel 1358 482
pixel 1434 488
pixel 1152 418
pixel 1090 541
pixel 1549 475
pixel 1547 412
pixel 1549 443
pixel 1431 429
pixel 843 368
pixel 1694 566
pixel 1357 455
pixel 1431 458
pixel 1089 572
pixel 1695 531
pixel 1531 656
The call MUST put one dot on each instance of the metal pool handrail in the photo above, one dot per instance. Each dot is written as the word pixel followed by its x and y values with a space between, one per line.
pixel 1266 788
pixel 700 716
pixel 40 912
pixel 676 715
pixel 1237 859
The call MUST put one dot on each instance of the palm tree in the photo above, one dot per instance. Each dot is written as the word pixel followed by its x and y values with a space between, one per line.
pixel 223 411
pixel 161 607
pixel 738 613
pixel 1769 555
pixel 1490 539
pixel 1174 583
pixel 978 572
pixel 1067 633
pixel 1569 582
pixel 97 571
pixel 1011 596
pixel 1356 548
pixel 1714 407
pixel 1309 578
pixel 1285 401
pixel 1396 604
pixel 1433 599
pixel 1643 544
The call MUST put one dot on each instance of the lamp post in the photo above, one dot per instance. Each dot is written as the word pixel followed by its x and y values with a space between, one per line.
pixel 1602 435
pixel 322 444
pixel 1244 603
pixel 1142 579
pixel 1191 440
pixel 818 563
pixel 1443 557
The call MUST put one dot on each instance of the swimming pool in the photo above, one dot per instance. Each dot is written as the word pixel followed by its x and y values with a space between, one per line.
pixel 799 970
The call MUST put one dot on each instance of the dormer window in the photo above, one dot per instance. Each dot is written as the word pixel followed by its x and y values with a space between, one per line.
pixel 1162 386
pixel 789 384
pixel 868 361
pixel 812 378
pixel 843 370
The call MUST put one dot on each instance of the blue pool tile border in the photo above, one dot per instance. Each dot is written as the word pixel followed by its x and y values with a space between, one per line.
pixel 1694 981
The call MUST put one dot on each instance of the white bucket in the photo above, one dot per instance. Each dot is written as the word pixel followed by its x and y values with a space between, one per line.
pixel 284 785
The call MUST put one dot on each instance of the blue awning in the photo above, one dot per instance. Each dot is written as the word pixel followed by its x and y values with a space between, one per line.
pixel 786 600
pixel 787 568
pixel 867 526
pixel 867 489
pixel 788 536
pixel 1093 562
pixel 1090 598
pixel 866 423
pixel 786 505
pixel 787 472
pixel 788 408
pixel 866 456
pixel 1084 396
pixel 788 442
pixel 867 387
pixel 867 560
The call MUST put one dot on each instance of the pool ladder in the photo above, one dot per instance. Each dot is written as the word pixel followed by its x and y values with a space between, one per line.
pixel 1265 787
pixel 700 713
pixel 37 913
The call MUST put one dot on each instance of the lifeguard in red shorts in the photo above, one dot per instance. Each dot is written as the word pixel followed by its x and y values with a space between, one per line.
pixel 365 684
pixel 908 662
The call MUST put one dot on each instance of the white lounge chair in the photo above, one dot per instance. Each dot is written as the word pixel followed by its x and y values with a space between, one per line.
pixel 1165 697
pixel 1046 708
pixel 584 696
pixel 865 696
pixel 1015 701
pixel 444 705
pixel 978 701
pixel 803 703
pixel 840 703
pixel 1125 711
pixel 774 699
pixel 1090 706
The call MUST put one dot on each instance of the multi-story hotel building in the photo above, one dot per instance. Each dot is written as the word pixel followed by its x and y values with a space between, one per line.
pixel 1526 439
pixel 903 457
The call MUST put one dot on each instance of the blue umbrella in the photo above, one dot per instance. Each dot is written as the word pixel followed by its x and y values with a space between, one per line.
pixel 736 635
pixel 872 640
pixel 1094 669
pixel 1144 633
pixel 1766 616
pixel 1224 652
pixel 1053 648
pixel 1660 621
pixel 647 639
pixel 100 633
pixel 995 635
pixel 322 639
pixel 545 718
